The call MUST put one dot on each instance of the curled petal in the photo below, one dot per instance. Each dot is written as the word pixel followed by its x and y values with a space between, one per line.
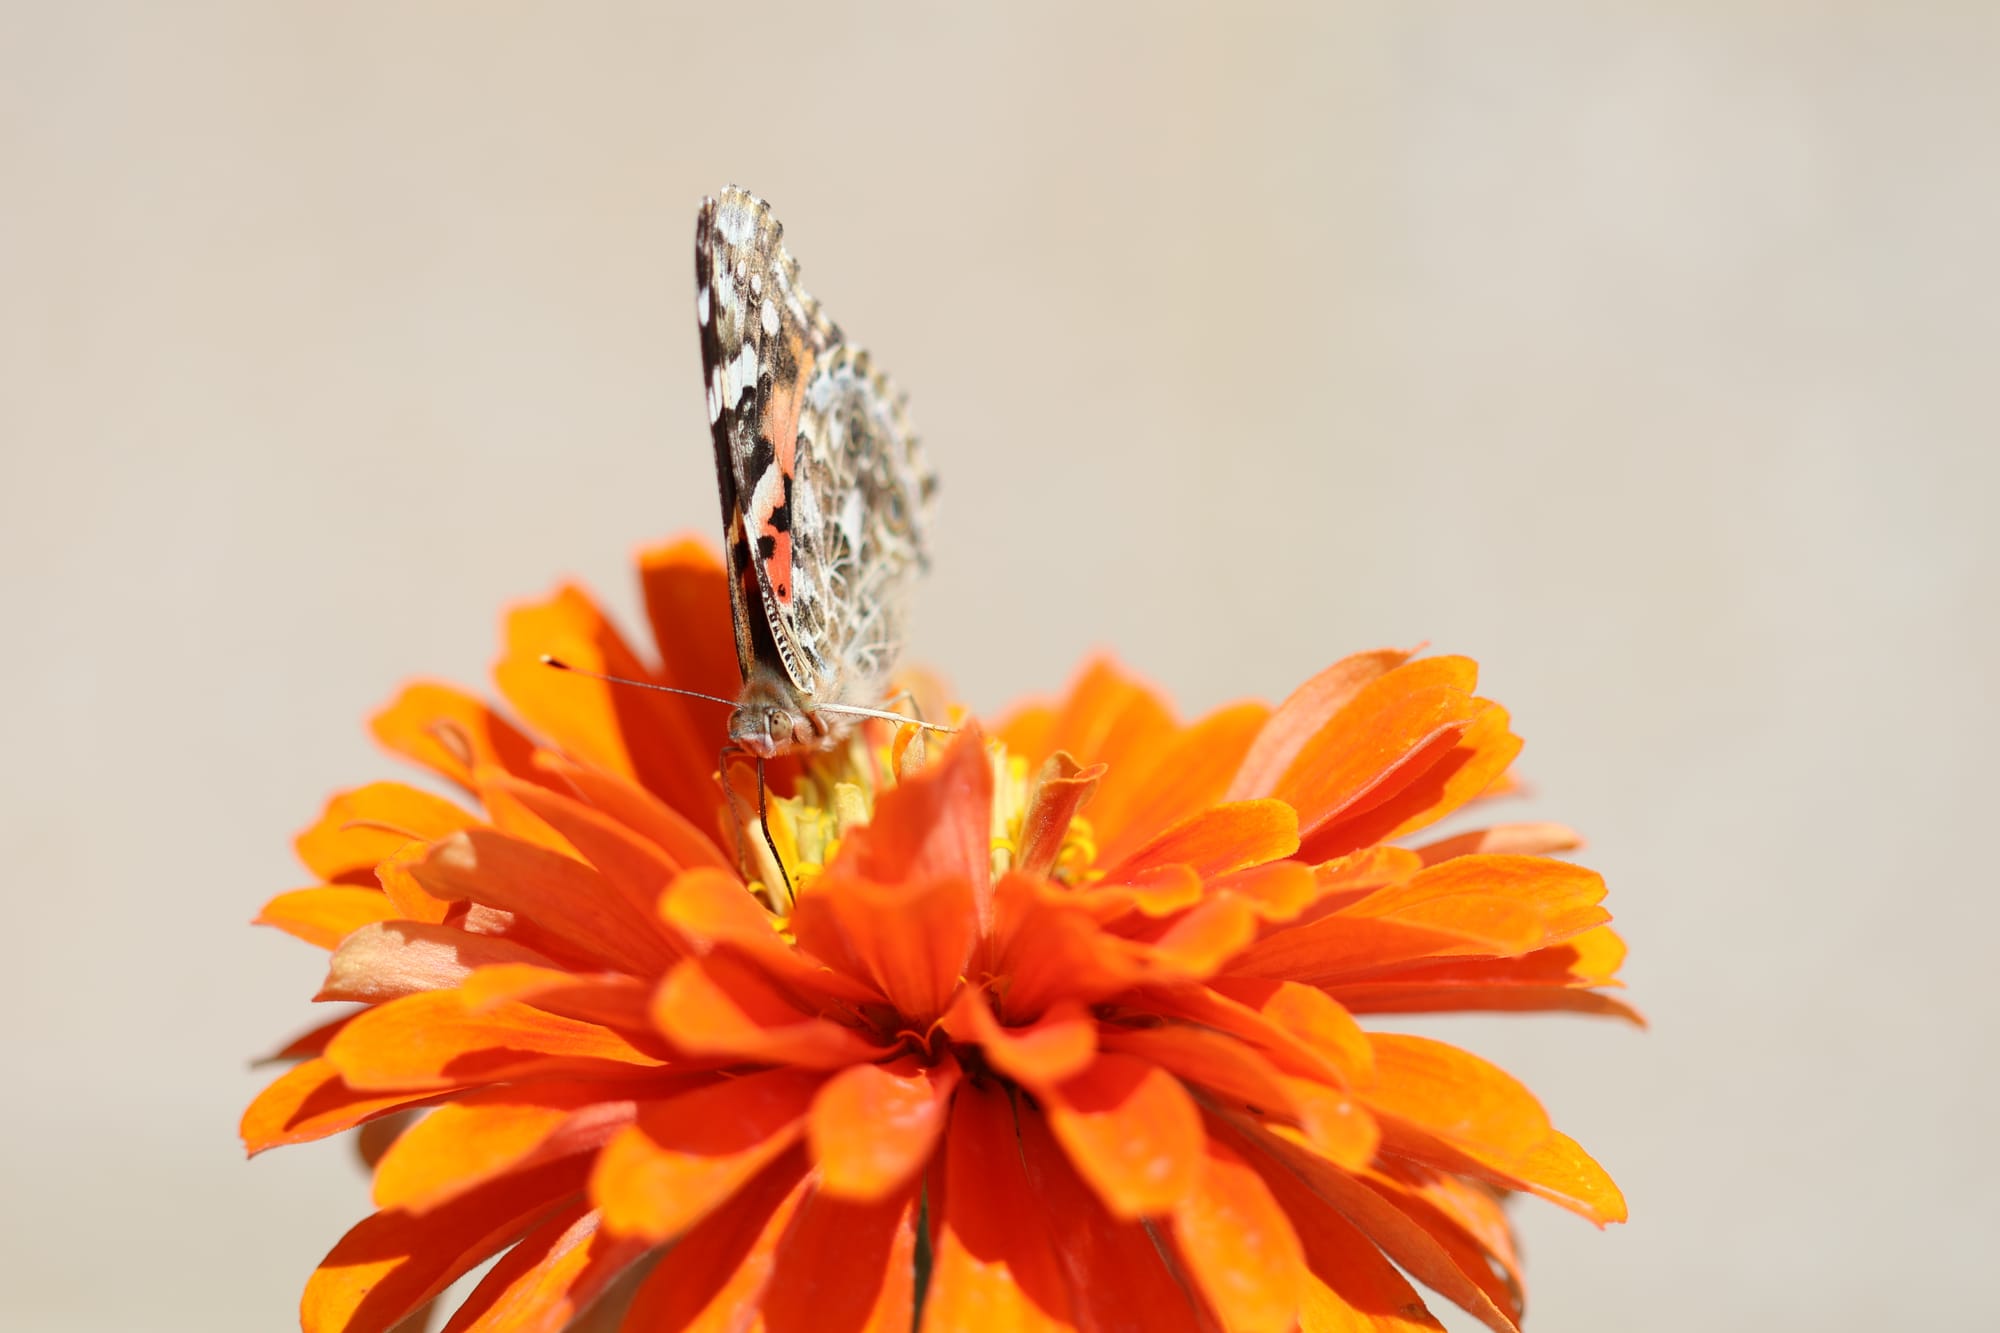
pixel 392 958
pixel 550 1277
pixel 721 1006
pixel 310 1101
pixel 1058 1044
pixel 360 829
pixel 1302 716
pixel 710 909
pixel 910 940
pixel 1438 780
pixel 1221 839
pixel 873 1126
pixel 433 1040
pixel 934 826
pixel 1511 839
pixel 487 1134
pixel 451 733
pixel 325 916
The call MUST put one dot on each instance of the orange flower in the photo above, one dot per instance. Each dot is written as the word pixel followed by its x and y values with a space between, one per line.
pixel 1057 1032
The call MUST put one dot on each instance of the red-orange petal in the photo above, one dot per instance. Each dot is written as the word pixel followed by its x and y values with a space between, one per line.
pixel 393 1262
pixel 1060 1043
pixel 1438 781
pixel 1535 839
pixel 720 1005
pixel 564 898
pixel 710 909
pixel 714 1279
pixel 551 1276
pixel 872 1127
pixel 685 585
pixel 993 1265
pixel 688 1154
pixel 849 1266
pixel 310 1101
pixel 1220 839
pixel 1238 1245
pixel 934 826
pixel 434 1040
pixel 910 939
pixel 1131 1131
pixel 1185 771
pixel 489 1133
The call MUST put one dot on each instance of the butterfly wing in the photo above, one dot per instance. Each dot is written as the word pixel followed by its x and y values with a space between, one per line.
pixel 824 492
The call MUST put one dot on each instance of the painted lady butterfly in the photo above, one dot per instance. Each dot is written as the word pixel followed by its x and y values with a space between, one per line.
pixel 825 494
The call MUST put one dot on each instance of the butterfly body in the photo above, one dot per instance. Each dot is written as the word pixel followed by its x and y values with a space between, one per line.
pixel 825 493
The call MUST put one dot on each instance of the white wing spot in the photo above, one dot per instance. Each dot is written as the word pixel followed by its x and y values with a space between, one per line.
pixel 701 305
pixel 770 316
pixel 715 396
pixel 742 374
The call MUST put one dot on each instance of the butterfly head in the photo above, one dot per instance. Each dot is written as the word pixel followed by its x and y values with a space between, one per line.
pixel 771 719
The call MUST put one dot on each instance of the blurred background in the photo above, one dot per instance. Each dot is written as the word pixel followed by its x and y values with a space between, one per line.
pixel 1642 351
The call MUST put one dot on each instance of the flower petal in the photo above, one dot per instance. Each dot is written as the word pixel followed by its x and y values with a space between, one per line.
pixel 1511 839
pixel 1060 1043
pixel 434 1040
pixel 327 915
pixel 911 939
pixel 934 826
pixel 1220 839
pixel 393 1262
pixel 684 585
pixel 360 829
pixel 1050 949
pixel 710 909
pixel 1117 1278
pixel 1436 781
pixel 850 1267
pixel 720 1005
pixel 487 1134
pixel 573 904
pixel 1304 715
pixel 632 864
pixel 872 1127
pixel 392 958
pixel 1186 770
pixel 310 1101
pixel 1238 1246
pixel 1105 718
pixel 688 1154
pixel 612 999
pixel 714 1279
pixel 684 842
pixel 450 732
pixel 1131 1131
pixel 549 1277
pixel 993 1266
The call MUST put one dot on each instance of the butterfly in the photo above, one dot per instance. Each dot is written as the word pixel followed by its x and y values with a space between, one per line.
pixel 826 495
pixel 826 500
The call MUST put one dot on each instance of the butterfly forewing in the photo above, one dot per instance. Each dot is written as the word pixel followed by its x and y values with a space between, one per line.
pixel 825 494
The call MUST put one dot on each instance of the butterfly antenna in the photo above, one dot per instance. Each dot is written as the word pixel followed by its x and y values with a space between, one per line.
pixel 852 710
pixel 561 665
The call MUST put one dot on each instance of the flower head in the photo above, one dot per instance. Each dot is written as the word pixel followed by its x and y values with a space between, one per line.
pixel 1054 1025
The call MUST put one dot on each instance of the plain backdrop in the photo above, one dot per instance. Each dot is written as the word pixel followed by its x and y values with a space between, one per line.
pixel 1643 351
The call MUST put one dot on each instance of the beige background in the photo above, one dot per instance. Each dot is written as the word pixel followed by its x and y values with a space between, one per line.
pixel 1643 351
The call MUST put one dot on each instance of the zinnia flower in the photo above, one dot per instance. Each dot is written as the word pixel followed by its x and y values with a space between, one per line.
pixel 1054 1026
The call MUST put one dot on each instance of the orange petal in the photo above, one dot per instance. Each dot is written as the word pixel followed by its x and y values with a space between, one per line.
pixel 1467 1219
pixel 688 1154
pixel 392 958
pixel 1238 1246
pixel 1351 1286
pixel 710 909
pixel 850 1267
pixel 1131 1131
pixel 1338 947
pixel 911 939
pixel 715 1278
pixel 310 1101
pixel 1413 1248
pixel 1051 949
pixel 1419 793
pixel 1560 1171
pixel 1105 718
pixel 934 826
pixel 433 1040
pixel 1059 791
pixel 326 916
pixel 360 829
pixel 1310 1018
pixel 1221 839
pixel 664 742
pixel 1302 716
pixel 1277 891
pixel 1564 896
pixel 1227 1069
pixel 685 585
pixel 1392 730
pixel 612 999
pixel 450 732
pixel 1511 839
pixel 873 1126
pixel 1185 771
pixel 1198 943
pixel 632 864
pixel 1060 1043
pixel 993 1265
pixel 685 842
pixel 1116 1276
pixel 570 901
pixel 482 1135
pixel 720 1005
pixel 548 1278
pixel 393 1262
